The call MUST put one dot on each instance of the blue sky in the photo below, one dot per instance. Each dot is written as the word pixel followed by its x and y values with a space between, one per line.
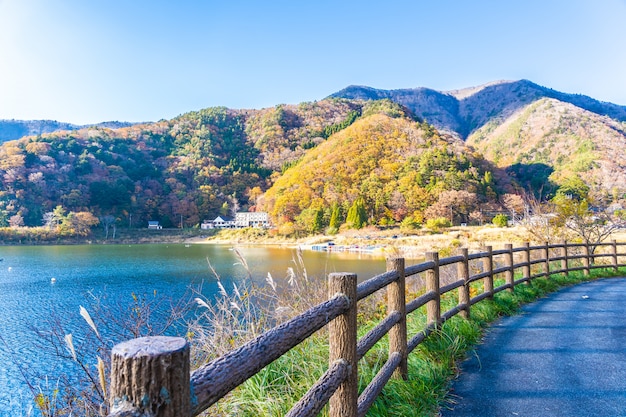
pixel 86 61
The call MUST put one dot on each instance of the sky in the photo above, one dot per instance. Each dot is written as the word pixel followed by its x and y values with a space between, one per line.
pixel 88 61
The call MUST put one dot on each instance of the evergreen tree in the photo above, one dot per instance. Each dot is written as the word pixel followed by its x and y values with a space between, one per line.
pixel 357 215
pixel 335 217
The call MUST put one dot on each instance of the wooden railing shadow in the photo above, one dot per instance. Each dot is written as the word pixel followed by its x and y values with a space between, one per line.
pixel 151 375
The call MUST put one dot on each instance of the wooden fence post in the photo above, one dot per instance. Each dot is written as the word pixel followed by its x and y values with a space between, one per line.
pixel 150 376
pixel 433 307
pixel 509 275
pixel 546 257
pixel 464 290
pixel 342 345
pixel 488 280
pixel 586 262
pixel 564 263
pixel 614 250
pixel 396 299
pixel 526 263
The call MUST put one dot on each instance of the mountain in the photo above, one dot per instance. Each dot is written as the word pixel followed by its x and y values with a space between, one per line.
pixel 463 111
pixel 15 129
pixel 540 136
pixel 550 142
pixel 399 155
pixel 395 167
pixel 197 165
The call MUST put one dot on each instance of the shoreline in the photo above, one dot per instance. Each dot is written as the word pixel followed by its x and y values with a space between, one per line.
pixel 370 240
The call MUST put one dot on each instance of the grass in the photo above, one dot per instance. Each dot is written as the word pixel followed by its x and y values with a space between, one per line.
pixel 432 365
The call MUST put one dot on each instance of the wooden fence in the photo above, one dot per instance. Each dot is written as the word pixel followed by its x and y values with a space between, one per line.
pixel 151 375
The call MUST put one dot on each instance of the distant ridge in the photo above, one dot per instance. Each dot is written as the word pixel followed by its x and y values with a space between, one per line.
pixel 466 110
pixel 15 129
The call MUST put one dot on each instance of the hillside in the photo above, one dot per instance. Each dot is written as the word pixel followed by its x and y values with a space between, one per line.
pixel 548 142
pixel 313 165
pixel 394 167
pixel 540 136
pixel 187 169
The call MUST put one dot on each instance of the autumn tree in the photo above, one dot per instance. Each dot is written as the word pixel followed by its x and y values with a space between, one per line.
pixel 590 220
pixel 16 220
pixel 311 219
pixel 515 204
pixel 453 205
pixel 78 224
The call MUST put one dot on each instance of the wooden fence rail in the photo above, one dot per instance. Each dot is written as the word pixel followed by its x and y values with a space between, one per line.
pixel 151 376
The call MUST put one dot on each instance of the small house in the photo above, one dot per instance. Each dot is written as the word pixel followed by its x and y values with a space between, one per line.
pixel 222 222
pixel 154 224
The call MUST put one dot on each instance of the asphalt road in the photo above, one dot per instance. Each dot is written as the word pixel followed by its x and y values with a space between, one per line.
pixel 565 355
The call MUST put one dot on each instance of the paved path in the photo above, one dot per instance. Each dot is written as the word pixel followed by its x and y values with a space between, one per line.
pixel 565 355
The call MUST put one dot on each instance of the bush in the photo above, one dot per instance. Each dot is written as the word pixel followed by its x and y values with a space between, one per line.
pixel 410 223
pixel 501 220
pixel 438 223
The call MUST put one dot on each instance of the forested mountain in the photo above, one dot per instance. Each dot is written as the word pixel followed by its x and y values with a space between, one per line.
pixel 192 167
pixel 550 142
pixel 371 152
pixel 389 167
pixel 540 136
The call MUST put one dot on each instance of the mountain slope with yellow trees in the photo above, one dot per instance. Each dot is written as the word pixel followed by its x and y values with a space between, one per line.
pixel 390 169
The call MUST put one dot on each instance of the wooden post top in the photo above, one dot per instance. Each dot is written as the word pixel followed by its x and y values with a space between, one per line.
pixel 149 346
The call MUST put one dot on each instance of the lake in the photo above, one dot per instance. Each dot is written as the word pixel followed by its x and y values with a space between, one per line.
pixel 44 284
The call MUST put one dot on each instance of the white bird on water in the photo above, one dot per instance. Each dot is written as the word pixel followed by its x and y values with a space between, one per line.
pixel 53 280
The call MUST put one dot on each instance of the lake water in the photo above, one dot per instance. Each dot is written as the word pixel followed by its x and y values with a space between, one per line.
pixel 39 284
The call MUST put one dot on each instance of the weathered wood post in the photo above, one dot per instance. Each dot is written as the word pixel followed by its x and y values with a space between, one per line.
pixel 464 290
pixel 150 377
pixel 488 280
pixel 546 257
pixel 509 275
pixel 397 302
pixel 586 262
pixel 342 345
pixel 526 263
pixel 614 253
pixel 564 263
pixel 433 307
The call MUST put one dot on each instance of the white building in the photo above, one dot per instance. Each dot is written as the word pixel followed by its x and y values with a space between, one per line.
pixel 252 219
pixel 241 220
pixel 220 222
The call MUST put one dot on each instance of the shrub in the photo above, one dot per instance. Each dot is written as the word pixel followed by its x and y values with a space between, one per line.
pixel 409 223
pixel 501 220
pixel 438 223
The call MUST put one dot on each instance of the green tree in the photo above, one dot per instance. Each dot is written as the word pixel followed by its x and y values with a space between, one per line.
pixel 225 209
pixel 357 215
pixel 573 188
pixel 335 217
pixel 311 219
